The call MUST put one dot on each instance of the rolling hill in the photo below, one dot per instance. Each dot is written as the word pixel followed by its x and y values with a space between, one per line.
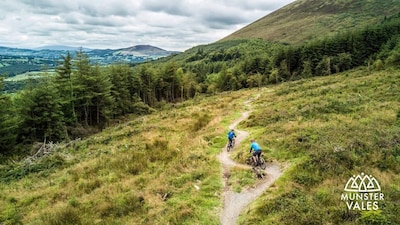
pixel 143 50
pixel 163 168
pixel 304 20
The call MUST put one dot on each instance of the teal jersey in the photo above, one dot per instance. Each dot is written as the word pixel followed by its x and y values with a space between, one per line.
pixel 254 146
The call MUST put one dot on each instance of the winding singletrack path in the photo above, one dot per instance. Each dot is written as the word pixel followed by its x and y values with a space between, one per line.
pixel 234 202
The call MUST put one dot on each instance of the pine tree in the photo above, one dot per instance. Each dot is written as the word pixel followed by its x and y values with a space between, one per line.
pixel 169 82
pixel 41 115
pixel 7 123
pixel 102 101
pixel 81 81
pixel 145 83
pixel 66 89
pixel 93 93
pixel 120 76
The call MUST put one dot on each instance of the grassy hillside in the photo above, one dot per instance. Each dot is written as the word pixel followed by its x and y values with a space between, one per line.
pixel 329 129
pixel 141 171
pixel 146 170
pixel 304 20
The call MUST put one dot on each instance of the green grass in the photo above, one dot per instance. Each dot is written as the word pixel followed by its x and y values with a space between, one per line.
pixel 240 178
pixel 162 168
pixel 29 75
pixel 328 129
pixel 156 169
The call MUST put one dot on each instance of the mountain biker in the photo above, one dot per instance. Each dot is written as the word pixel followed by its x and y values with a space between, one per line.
pixel 231 135
pixel 256 151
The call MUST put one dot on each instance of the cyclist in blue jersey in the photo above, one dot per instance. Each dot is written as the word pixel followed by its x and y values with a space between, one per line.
pixel 255 147
pixel 231 136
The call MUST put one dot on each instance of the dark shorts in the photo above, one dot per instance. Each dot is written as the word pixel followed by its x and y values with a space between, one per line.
pixel 257 153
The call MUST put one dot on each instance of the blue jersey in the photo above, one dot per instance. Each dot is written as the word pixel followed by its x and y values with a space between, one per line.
pixel 254 146
pixel 231 135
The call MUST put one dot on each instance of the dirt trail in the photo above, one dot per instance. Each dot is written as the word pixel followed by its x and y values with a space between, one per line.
pixel 234 203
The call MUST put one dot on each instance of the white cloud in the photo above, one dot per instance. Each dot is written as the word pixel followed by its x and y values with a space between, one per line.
pixel 172 25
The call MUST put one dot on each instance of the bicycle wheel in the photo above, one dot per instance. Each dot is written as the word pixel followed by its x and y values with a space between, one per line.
pixel 229 146
pixel 263 164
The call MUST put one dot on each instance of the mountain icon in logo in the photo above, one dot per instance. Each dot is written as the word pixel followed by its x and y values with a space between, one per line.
pixel 362 183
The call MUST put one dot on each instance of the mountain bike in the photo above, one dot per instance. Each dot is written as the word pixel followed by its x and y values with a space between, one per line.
pixel 230 145
pixel 260 162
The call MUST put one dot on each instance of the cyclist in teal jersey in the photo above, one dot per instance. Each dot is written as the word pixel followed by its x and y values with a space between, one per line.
pixel 255 147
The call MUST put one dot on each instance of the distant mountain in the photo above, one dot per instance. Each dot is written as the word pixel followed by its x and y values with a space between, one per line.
pixel 14 61
pixel 61 47
pixel 137 50
pixel 7 51
pixel 143 50
pixel 304 20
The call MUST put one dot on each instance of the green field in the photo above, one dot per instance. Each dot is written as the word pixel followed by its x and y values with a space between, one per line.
pixel 29 75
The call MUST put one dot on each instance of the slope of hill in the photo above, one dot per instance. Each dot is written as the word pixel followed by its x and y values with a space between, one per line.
pixel 330 129
pixel 162 168
pixel 305 20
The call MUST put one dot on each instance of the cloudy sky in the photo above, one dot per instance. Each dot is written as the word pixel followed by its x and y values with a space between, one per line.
pixel 168 24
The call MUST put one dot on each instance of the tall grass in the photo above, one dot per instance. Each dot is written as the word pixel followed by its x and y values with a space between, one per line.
pixel 330 128
pixel 155 169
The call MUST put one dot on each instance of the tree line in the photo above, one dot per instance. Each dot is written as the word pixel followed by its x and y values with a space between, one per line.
pixel 254 62
pixel 83 98
pixel 371 46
